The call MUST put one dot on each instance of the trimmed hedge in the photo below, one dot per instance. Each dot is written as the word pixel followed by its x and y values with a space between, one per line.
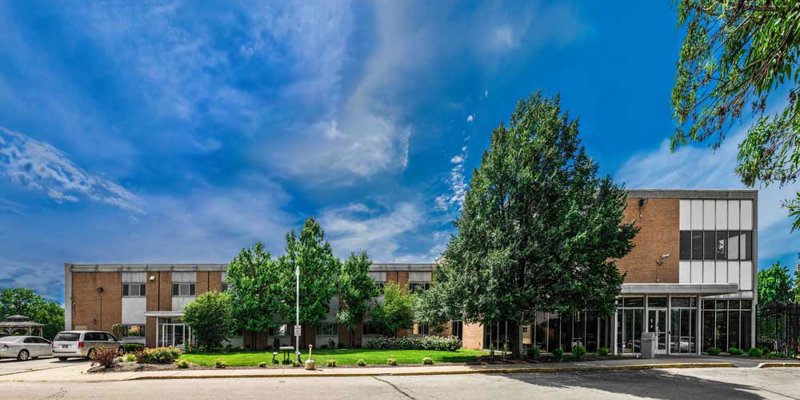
pixel 415 343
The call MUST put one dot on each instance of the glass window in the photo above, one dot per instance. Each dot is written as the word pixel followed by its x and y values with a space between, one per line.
pixel 633 302
pixel 327 329
pixel 418 286
pixel 708 330
pixel 134 289
pixel 721 329
pixel 183 289
pixel 722 248
pixel 553 332
pixel 709 245
pixel 133 331
pixel 67 337
pixel 686 245
pixel 280 330
pixel 683 302
pixel 733 245
pixel 746 250
pixel 656 301
pixel 747 304
pixel 697 245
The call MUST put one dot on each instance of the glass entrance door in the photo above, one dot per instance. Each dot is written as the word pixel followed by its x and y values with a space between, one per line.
pixel 175 335
pixel 682 330
pixel 657 322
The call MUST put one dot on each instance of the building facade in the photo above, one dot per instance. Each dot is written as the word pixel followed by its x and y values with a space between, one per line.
pixel 690 278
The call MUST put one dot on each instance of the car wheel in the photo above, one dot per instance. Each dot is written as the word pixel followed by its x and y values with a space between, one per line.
pixel 62 358
pixel 90 355
pixel 23 355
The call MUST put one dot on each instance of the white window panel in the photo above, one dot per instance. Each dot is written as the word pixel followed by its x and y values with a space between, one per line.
pixel 733 247
pixel 708 215
pixel 419 276
pixel 722 215
pixel 746 276
pixel 378 276
pixel 747 215
pixel 134 277
pixel 184 277
pixel 733 214
pixel 685 215
pixel 733 272
pixel 697 272
pixel 697 214
pixel 684 275
pixel 708 272
pixel 722 272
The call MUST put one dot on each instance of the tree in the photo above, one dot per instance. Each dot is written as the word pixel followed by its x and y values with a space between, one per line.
pixel 396 312
pixel 539 231
pixel 431 308
pixel 737 55
pixel 258 287
pixel 211 318
pixel 775 286
pixel 355 290
pixel 26 302
pixel 318 268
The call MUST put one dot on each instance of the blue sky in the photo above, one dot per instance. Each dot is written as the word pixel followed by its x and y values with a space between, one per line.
pixel 182 132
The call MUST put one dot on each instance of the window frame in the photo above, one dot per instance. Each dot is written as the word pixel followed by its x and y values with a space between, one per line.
pixel 190 286
pixel 127 286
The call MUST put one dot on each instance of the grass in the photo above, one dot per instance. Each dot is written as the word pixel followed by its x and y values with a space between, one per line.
pixel 343 357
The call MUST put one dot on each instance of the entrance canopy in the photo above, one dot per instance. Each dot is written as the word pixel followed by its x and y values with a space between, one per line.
pixel 703 289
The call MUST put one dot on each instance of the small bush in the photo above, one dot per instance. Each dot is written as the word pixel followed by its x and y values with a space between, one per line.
pixel 219 363
pixel 558 353
pixel 427 361
pixel 735 351
pixel 776 354
pixel 132 347
pixel 361 362
pixel 127 358
pixel 754 352
pixel 391 361
pixel 262 364
pixel 330 363
pixel 578 352
pixel 603 351
pixel 159 355
pixel 296 364
pixel 105 357
pixel 714 351
pixel 182 364
pixel 440 343
pixel 533 352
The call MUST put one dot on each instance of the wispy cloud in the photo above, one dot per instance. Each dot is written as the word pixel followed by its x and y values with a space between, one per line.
pixel 40 166
pixel 454 199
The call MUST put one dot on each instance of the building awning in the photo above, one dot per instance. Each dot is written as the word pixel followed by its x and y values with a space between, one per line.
pixel 164 314
pixel 679 288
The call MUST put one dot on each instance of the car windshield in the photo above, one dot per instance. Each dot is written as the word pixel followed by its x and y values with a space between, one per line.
pixel 67 337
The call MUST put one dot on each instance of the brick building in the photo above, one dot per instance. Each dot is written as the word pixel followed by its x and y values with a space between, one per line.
pixel 691 279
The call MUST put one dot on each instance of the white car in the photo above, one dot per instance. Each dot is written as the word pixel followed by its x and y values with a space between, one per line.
pixel 24 348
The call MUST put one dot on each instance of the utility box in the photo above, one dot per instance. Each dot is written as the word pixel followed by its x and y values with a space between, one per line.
pixel 649 344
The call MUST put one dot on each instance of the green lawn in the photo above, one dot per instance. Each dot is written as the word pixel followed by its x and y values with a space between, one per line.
pixel 343 357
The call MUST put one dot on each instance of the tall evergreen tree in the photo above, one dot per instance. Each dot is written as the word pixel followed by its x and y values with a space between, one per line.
pixel 539 231
pixel 355 290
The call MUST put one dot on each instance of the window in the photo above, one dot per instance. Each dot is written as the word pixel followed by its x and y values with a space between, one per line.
pixel 134 289
pixel 722 247
pixel 709 245
pixel 183 289
pixel 380 285
pixel 281 330
pixel 133 331
pixel 422 329
pixel 224 287
pixel 371 328
pixel 686 245
pixel 327 329
pixel 716 245
pixel 697 245
pixel 419 286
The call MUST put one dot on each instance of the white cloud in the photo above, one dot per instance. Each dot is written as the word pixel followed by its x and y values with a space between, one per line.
pixel 692 167
pixel 470 118
pixel 454 199
pixel 40 166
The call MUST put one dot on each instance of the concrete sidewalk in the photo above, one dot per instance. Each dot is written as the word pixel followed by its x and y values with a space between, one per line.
pixel 78 373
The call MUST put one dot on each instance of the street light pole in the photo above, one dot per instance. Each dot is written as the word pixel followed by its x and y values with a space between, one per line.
pixel 297 313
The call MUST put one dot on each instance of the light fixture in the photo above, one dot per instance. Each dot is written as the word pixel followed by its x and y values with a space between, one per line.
pixel 152 278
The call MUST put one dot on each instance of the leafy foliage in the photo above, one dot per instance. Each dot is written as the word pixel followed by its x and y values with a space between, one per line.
pixel 159 355
pixel 211 318
pixel 539 231
pixel 427 361
pixel 775 285
pixel 735 55
pixel 440 343
pixel 355 290
pixel 258 289
pixel 318 268
pixel 106 357
pixel 26 302
pixel 397 310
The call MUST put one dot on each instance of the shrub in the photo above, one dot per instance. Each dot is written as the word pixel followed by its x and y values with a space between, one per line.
pixel 182 364
pixel 159 355
pixel 133 347
pixel 735 351
pixel 776 354
pixel 558 353
pixel 361 362
pixel 127 358
pixel 754 352
pixel 427 361
pixel 330 363
pixel 714 351
pixel 296 364
pixel 415 343
pixel 391 361
pixel 533 352
pixel 210 318
pixel 603 351
pixel 262 364
pixel 578 352
pixel 105 357
pixel 219 363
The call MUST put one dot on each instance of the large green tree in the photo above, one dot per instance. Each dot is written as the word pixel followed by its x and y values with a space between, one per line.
pixel 318 269
pixel 396 311
pixel 539 230
pixel 735 57
pixel 775 286
pixel 211 318
pixel 355 291
pixel 26 302
pixel 258 287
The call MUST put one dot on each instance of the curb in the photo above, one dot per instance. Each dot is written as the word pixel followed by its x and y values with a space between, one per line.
pixel 457 372
pixel 778 365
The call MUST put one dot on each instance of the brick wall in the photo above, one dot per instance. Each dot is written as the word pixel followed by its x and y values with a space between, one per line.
pixel 473 336
pixel 95 309
pixel 658 220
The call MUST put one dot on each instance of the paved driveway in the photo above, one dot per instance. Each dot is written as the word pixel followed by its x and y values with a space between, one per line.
pixel 11 366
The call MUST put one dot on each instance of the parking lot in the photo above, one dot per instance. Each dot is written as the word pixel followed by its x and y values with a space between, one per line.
pixel 11 366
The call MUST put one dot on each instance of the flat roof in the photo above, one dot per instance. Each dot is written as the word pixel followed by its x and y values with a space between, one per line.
pixel 87 267
pixel 694 193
